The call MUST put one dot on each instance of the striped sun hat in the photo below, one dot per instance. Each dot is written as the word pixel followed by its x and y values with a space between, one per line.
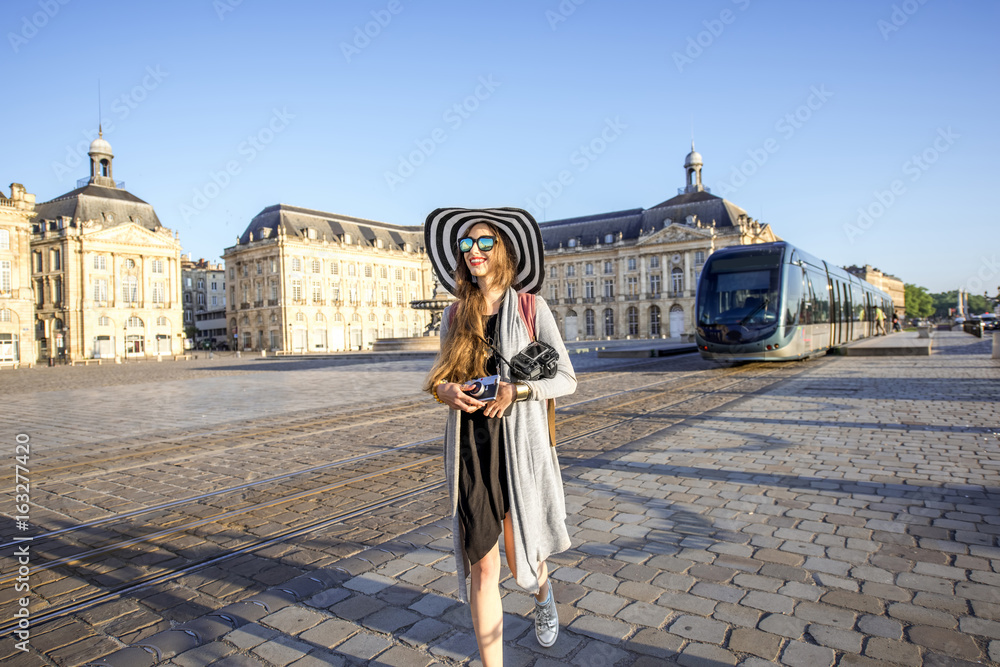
pixel 445 226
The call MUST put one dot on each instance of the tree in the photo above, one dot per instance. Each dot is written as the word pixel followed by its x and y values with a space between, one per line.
pixel 943 301
pixel 918 302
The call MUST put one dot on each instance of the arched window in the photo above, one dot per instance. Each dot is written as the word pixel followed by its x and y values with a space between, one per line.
pixel 135 323
pixel 633 321
pixel 162 322
pixel 609 322
pixel 588 318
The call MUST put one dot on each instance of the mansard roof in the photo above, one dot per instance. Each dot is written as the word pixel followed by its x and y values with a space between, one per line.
pixel 95 202
pixel 706 208
pixel 296 222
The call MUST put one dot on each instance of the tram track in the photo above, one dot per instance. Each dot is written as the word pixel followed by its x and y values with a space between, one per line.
pixel 425 475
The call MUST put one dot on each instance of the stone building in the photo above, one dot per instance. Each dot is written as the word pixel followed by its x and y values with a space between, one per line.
pixel 892 285
pixel 301 280
pixel 633 273
pixel 17 308
pixel 203 285
pixel 106 273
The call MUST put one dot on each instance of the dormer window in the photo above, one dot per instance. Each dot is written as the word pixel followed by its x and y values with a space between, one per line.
pixel 609 238
pixel 571 243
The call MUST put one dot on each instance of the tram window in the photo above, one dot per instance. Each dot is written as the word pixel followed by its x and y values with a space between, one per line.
pixel 792 303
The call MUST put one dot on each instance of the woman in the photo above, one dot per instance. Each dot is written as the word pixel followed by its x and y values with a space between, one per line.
pixel 503 475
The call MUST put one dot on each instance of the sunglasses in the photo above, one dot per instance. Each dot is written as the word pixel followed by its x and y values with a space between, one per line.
pixel 485 243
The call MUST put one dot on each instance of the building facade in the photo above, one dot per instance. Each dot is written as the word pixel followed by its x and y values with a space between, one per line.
pixel 106 273
pixel 892 285
pixel 633 273
pixel 17 308
pixel 301 281
pixel 204 293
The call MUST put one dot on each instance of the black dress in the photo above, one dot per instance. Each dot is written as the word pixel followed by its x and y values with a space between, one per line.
pixel 483 498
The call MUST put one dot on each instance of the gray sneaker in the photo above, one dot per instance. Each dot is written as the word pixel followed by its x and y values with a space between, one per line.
pixel 547 620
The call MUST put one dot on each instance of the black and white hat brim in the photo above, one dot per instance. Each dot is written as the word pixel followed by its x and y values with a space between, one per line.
pixel 445 226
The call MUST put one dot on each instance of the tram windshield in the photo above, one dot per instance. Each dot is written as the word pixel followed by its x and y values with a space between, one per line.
pixel 740 292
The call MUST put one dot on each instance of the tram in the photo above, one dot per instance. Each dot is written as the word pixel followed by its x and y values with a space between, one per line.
pixel 774 302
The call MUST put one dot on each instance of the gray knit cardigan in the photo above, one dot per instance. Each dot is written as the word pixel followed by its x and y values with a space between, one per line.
pixel 538 508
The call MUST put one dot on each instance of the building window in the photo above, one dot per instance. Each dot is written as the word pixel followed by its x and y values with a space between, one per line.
pixel 200 298
pixel 37 262
pixel 553 272
pixel 368 270
pixel 296 263
pixel 317 267
pixel 571 243
pixel 608 266
pixel 609 289
pixel 4 239
pixel 677 281
pixel 215 301
pixel 214 286
pixel 158 268
pixel 383 272
pixel 296 289
pixel 130 289
pixel 56 260
pixel 699 257
pixel 39 293
pixel 5 284
pixel 633 286
pixel 274 291
pixel 654 321
pixel 654 262
pixel 571 270
pixel 161 321
pixel 589 269
pixel 100 263
pixel 609 322
pixel 57 291
pixel 100 290
pixel 399 295
pixel 317 292
pixel 352 270
pixel 631 263
pixel 570 290
pixel 129 263
pixel 104 321
pixel 609 238
pixel 399 273
pixel 413 274
pixel 654 284
pixel 588 289
pixel 633 321
pixel 335 294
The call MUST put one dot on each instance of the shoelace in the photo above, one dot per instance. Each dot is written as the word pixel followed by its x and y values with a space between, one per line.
pixel 543 613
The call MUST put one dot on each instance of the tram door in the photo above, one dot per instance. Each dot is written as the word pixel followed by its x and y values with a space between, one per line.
pixel 835 323
pixel 848 313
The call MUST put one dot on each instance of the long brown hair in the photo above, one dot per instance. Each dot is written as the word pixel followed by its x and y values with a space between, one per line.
pixel 463 352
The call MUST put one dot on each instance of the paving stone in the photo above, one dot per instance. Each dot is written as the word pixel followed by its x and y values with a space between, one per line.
pixel 602 603
pixel 836 638
pixel 888 650
pixel 756 642
pixel 657 643
pixel 825 614
pixel 400 656
pixel 598 654
pixel 880 626
pixel 705 655
pixel 329 633
pixel 282 650
pixel 922 615
pixel 800 654
pixel 786 626
pixel 424 632
pixel 949 642
pixel 600 628
pixel 699 629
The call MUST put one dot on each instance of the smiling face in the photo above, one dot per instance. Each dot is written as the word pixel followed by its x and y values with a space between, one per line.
pixel 481 263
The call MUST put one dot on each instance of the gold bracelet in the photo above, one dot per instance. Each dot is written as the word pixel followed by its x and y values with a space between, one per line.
pixel 434 390
pixel 523 392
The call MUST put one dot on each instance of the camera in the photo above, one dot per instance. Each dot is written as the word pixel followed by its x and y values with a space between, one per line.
pixel 537 361
pixel 484 389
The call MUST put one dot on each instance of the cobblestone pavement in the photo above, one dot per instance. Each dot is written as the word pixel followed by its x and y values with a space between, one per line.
pixel 847 514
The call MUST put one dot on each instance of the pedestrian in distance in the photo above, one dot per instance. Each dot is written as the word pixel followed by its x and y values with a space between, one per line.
pixel 895 323
pixel 500 461
pixel 879 322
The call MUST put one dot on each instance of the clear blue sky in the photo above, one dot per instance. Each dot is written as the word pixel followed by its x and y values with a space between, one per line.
pixel 808 114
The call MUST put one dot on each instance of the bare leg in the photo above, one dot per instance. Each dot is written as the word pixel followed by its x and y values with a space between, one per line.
pixel 508 547
pixel 487 611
